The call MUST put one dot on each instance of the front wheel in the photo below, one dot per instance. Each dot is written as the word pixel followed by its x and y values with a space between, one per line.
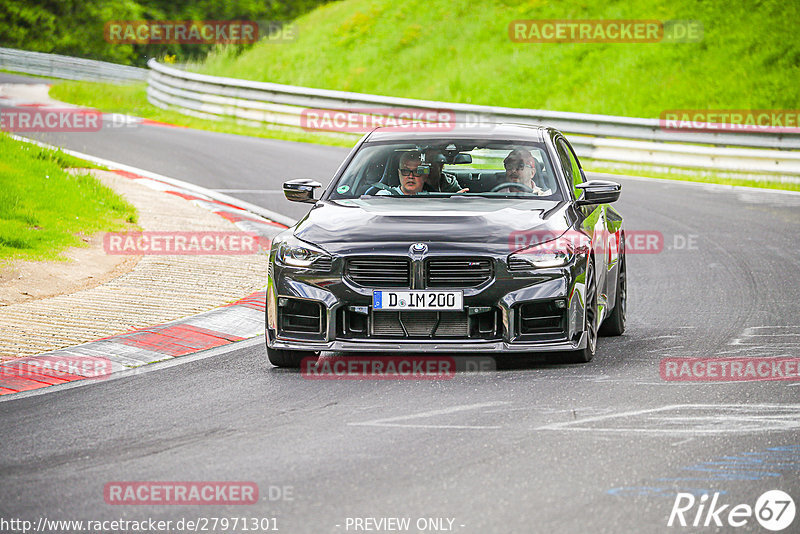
pixel 289 358
pixel 614 325
pixel 590 325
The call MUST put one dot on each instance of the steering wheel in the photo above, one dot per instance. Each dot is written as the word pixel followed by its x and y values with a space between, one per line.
pixel 498 187
pixel 383 186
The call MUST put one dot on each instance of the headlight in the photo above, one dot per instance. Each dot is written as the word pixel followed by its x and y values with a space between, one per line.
pixel 555 253
pixel 295 253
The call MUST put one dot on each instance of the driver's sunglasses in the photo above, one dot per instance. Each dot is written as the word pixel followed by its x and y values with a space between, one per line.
pixel 516 166
pixel 418 172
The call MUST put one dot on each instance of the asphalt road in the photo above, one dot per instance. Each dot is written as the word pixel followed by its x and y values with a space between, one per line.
pixel 600 447
pixel 7 77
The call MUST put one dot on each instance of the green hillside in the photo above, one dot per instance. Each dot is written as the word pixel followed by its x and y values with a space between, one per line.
pixel 459 51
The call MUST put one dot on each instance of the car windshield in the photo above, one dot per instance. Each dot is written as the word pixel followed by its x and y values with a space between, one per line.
pixel 439 168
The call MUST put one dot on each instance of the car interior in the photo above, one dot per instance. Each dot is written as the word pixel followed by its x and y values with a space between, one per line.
pixel 376 169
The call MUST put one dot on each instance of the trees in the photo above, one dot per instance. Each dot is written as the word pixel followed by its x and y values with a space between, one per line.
pixel 75 27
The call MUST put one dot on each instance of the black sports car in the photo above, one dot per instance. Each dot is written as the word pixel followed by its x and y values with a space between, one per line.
pixel 472 240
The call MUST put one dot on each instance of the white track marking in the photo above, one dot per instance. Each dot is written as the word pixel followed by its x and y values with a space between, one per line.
pixel 724 419
pixel 392 421
pixel 777 337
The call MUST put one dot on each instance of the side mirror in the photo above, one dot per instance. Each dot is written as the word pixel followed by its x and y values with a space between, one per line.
pixel 598 192
pixel 300 190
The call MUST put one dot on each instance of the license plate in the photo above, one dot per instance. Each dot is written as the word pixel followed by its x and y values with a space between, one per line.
pixel 417 300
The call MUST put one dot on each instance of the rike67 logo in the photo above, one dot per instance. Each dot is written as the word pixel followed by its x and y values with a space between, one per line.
pixel 774 510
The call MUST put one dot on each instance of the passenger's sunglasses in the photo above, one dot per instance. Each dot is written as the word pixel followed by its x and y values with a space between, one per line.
pixel 516 166
pixel 418 172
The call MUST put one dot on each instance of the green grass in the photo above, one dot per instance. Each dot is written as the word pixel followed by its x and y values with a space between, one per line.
pixel 131 99
pixel 44 209
pixel 689 175
pixel 67 161
pixel 459 51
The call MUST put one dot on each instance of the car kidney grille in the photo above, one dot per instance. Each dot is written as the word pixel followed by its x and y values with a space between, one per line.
pixel 379 272
pixel 420 324
pixel 458 272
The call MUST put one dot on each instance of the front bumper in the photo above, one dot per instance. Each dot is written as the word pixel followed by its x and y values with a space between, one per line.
pixel 506 294
pixel 426 346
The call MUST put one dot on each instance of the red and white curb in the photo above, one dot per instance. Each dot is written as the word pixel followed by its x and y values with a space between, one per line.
pixel 98 359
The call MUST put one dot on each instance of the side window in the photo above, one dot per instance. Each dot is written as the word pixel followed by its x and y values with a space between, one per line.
pixel 570 164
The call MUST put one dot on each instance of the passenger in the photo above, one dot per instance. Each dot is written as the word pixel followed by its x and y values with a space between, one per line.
pixel 438 180
pixel 521 169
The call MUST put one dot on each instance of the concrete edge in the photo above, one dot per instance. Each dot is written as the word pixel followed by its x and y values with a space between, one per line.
pixel 103 358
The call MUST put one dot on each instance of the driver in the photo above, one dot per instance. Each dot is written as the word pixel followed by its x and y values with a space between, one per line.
pixel 521 169
pixel 412 175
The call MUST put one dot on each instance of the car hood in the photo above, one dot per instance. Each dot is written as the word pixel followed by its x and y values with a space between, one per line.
pixel 493 225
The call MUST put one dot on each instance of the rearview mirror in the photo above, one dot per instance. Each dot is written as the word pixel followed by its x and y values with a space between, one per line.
pixel 598 192
pixel 462 158
pixel 300 190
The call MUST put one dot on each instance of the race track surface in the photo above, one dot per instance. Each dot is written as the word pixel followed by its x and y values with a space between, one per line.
pixel 601 447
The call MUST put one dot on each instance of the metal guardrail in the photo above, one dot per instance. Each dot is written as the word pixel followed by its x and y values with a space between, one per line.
pixel 599 137
pixel 71 68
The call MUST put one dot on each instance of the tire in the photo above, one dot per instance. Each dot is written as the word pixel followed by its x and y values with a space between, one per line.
pixel 614 325
pixel 586 354
pixel 290 359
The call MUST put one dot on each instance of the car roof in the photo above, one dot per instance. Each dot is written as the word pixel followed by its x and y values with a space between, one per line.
pixel 510 132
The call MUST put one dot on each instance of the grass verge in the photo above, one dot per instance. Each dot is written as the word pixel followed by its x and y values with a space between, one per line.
pixel 44 209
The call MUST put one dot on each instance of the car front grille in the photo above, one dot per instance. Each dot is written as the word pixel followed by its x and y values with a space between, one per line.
pixel 420 324
pixel 542 321
pixel 518 264
pixel 379 272
pixel 458 272
pixel 302 317
pixel 322 264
